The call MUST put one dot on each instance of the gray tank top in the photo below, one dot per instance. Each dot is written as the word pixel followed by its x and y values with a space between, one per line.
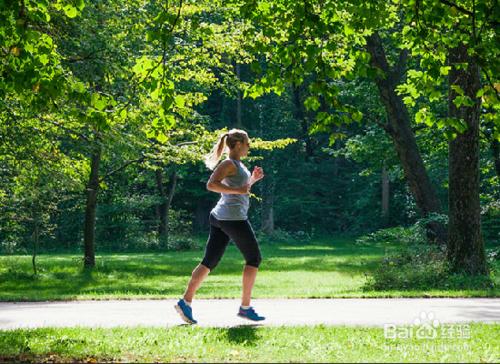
pixel 234 206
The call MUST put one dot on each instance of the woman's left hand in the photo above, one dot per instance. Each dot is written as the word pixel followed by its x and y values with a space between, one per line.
pixel 257 174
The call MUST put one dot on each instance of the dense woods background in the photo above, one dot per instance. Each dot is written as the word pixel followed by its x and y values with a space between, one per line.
pixel 362 115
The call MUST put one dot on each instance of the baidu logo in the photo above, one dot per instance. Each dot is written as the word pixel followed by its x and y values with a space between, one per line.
pixel 425 326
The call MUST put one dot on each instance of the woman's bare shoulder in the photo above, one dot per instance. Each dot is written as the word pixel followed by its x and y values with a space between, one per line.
pixel 228 166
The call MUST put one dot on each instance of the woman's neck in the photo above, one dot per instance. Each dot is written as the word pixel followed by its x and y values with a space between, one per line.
pixel 237 157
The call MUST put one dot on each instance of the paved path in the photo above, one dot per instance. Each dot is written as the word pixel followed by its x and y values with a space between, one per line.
pixel 222 313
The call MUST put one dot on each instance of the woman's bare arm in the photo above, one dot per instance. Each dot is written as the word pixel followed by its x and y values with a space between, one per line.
pixel 226 168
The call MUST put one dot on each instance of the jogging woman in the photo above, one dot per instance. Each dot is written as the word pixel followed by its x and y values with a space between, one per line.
pixel 228 220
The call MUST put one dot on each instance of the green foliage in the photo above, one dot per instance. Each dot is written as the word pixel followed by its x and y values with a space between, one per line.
pixel 122 229
pixel 412 235
pixel 280 236
pixel 423 267
pixel 301 41
pixel 419 265
pixel 398 234
pixel 490 223
pixel 440 26
pixel 323 39
pixel 371 148
pixel 139 79
pixel 183 242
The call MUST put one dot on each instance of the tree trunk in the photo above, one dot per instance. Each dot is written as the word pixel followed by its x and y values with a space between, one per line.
pixel 201 221
pixel 36 241
pixel 164 207
pixel 172 184
pixel 298 114
pixel 157 215
pixel 90 209
pixel 465 244
pixel 495 150
pixel 399 129
pixel 385 195
pixel 163 214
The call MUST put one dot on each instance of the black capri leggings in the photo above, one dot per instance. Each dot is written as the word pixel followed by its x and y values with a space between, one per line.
pixel 241 232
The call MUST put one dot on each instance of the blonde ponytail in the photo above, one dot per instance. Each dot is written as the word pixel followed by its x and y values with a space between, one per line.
pixel 226 141
pixel 212 158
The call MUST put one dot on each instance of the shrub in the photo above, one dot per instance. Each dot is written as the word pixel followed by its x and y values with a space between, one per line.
pixel 398 234
pixel 420 265
pixel 414 234
pixel 424 266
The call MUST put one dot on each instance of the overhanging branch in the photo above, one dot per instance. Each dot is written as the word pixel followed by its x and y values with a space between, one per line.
pixel 456 6
pixel 138 160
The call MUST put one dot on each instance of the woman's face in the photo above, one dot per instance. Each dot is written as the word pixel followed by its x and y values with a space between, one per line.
pixel 244 146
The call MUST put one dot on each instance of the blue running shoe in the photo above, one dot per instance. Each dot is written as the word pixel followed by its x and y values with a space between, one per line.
pixel 185 312
pixel 250 314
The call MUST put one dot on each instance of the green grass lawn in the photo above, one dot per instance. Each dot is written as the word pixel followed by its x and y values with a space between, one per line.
pixel 245 344
pixel 335 267
pixel 324 268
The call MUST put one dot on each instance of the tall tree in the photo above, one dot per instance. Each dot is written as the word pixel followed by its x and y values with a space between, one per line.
pixel 458 40
pixel 399 128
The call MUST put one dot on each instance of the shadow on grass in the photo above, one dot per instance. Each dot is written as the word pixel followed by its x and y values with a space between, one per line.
pixel 245 335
